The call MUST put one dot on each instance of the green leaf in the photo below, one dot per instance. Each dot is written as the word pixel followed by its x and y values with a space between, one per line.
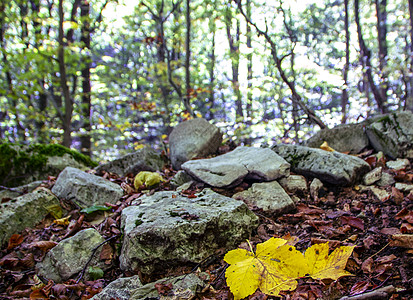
pixel 94 208
pixel 95 273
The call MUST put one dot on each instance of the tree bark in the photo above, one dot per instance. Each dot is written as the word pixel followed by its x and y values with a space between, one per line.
pixel 366 60
pixel 344 96
pixel 211 90
pixel 85 139
pixel 381 13
pixel 249 66
pixel 409 81
pixel 235 55
pixel 187 97
pixel 67 116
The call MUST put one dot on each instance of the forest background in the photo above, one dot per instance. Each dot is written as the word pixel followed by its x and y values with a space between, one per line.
pixel 105 76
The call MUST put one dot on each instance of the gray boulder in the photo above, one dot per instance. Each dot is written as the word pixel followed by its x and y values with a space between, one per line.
pixel 231 168
pixel 25 211
pixel 269 196
pixel 193 138
pixel 70 256
pixel 342 138
pixel 119 289
pixel 184 287
pixel 145 159
pixel 85 189
pixel 19 190
pixel 167 229
pixel 331 167
pixel 393 134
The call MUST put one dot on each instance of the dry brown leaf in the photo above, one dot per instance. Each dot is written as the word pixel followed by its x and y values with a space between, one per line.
pixel 402 240
pixel 44 245
pixel 367 265
pixel 14 241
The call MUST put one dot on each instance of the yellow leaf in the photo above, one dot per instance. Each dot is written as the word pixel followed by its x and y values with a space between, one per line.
pixel 326 147
pixel 62 221
pixel 148 179
pixel 322 266
pixel 249 271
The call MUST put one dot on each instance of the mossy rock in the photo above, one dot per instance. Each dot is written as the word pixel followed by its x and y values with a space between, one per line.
pixel 22 164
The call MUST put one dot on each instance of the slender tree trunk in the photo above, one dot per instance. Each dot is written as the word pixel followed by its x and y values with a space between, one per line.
pixel 188 93
pixel 278 63
pixel 344 96
pixel 211 90
pixel 85 139
pixel 366 59
pixel 249 67
pixel 409 89
pixel 67 120
pixel 382 41
pixel 235 55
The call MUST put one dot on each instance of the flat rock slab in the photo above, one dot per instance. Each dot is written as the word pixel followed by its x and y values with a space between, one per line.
pixel 269 196
pixel 167 229
pixel 70 256
pixel 243 162
pixel 25 211
pixel 332 167
pixel 393 134
pixel 85 189
pixel 193 138
pixel 145 159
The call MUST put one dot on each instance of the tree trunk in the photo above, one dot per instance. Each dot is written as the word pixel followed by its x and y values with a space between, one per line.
pixel 344 96
pixel 67 116
pixel 382 41
pixel 366 56
pixel 85 139
pixel 409 86
pixel 235 55
pixel 187 97
pixel 211 89
pixel 249 67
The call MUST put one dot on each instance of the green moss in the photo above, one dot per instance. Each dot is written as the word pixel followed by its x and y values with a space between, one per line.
pixel 16 163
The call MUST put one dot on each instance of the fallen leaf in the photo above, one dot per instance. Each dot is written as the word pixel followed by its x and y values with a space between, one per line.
pixel 402 240
pixel 149 179
pixel 326 147
pixel 321 265
pixel 367 265
pixel 353 222
pixel 14 241
pixel 63 221
pixel 249 271
pixel 359 287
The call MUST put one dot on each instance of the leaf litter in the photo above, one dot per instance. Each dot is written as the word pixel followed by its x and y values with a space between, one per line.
pixel 347 230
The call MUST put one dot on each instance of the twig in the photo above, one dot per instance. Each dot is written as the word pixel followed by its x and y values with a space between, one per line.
pixel 91 257
pixel 382 293
pixel 11 189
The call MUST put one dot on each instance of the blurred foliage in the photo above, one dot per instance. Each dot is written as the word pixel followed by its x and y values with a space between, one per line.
pixel 137 52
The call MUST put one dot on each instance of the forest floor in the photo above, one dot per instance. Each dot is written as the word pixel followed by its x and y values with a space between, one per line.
pixel 341 216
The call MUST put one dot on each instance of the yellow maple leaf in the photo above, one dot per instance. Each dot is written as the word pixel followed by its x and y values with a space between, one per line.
pixel 276 265
pixel 148 178
pixel 249 271
pixel 322 266
pixel 326 147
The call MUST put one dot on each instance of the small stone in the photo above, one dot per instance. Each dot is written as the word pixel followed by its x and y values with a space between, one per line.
pixel 119 289
pixel 269 196
pixel 372 176
pixel 403 186
pixel 315 187
pixel 294 184
pixel 385 180
pixel 380 194
pixel 398 164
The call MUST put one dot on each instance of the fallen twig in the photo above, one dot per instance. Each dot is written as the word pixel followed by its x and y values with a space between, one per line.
pixel 381 293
